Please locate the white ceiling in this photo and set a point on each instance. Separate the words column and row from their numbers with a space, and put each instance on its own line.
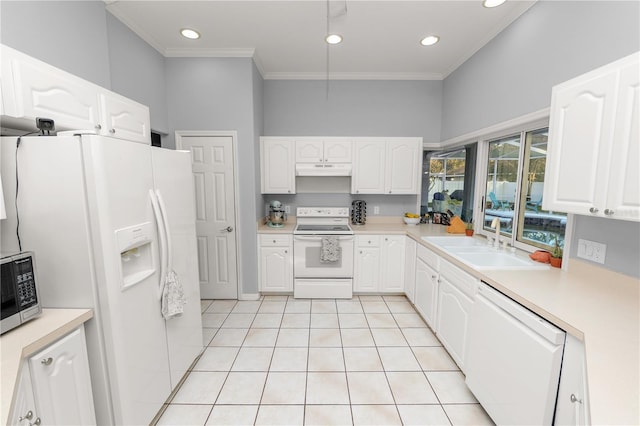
column 286, row 38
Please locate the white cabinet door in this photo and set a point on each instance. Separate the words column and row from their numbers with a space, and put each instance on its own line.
column 366, row 271
column 410, row 269
column 338, row 151
column 61, row 382
column 24, row 411
column 123, row 118
column 623, row 193
column 278, row 166
column 454, row 308
column 392, row 277
column 403, row 166
column 309, row 151
column 276, row 269
column 572, row 407
column 426, row 298
column 368, row 175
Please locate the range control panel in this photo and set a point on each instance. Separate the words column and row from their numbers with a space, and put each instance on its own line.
column 322, row 212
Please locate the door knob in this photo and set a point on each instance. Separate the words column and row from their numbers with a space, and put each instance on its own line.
column 227, row 229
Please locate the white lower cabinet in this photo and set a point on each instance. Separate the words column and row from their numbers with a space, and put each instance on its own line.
column 456, row 292
column 379, row 264
column 426, row 298
column 410, row 269
column 572, row 407
column 55, row 385
column 276, row 263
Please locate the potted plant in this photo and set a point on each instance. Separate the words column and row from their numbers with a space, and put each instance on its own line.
column 556, row 256
column 469, row 229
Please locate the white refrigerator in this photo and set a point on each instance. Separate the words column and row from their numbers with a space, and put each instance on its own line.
column 86, row 208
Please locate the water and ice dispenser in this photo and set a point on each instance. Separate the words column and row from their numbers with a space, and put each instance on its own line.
column 136, row 255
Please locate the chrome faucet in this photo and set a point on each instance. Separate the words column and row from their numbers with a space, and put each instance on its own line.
column 495, row 223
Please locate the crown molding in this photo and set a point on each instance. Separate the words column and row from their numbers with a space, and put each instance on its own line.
column 350, row 76
column 180, row 52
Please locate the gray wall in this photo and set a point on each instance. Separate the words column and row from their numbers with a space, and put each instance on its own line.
column 258, row 130
column 218, row 94
column 137, row 71
column 70, row 35
column 513, row 75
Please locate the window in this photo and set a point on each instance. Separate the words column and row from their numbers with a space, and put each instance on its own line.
column 513, row 191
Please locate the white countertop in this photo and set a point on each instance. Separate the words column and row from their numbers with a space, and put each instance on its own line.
column 24, row 341
column 599, row 307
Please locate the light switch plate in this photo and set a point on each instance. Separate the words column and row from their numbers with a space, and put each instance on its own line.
column 591, row 250
column 376, row 210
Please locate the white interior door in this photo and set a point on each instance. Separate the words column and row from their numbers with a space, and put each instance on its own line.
column 213, row 173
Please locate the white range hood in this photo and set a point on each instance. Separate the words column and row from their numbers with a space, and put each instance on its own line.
column 312, row 169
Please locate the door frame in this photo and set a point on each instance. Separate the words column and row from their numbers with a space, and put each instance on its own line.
column 233, row 134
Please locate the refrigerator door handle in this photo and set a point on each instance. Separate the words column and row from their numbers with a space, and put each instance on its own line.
column 165, row 220
column 163, row 243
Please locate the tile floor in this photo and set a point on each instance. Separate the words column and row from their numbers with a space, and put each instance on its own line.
column 283, row 361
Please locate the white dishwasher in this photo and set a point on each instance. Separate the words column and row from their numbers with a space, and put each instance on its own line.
column 513, row 360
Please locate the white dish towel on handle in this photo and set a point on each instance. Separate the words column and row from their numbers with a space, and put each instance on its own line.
column 330, row 250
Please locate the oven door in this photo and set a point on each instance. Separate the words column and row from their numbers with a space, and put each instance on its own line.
column 307, row 262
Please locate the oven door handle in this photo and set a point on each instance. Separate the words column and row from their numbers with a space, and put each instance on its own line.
column 318, row 237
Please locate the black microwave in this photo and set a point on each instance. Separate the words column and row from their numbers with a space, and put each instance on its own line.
column 20, row 302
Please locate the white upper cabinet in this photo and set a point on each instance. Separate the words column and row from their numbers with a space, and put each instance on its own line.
column 323, row 150
column 278, row 166
column 32, row 88
column 387, row 166
column 594, row 140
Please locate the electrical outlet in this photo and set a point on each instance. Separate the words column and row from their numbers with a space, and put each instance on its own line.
column 287, row 209
column 376, row 209
column 591, row 250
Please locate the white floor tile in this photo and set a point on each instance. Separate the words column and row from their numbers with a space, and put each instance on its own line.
column 370, row 298
column 321, row 415
column 450, row 388
column 420, row 415
column 280, row 415
column 409, row 320
column 325, row 337
column 381, row 321
column 267, row 321
column 285, row 388
column 296, row 321
column 434, row 358
column 349, row 306
column 253, row 359
column 400, row 307
column 409, row 387
column 275, row 297
column 327, row 388
column 398, row 359
column 323, row 306
column 326, row 359
column 356, row 337
column 467, row 414
column 265, row 337
column 324, row 320
column 217, row 359
column 369, row 388
column 298, row 306
column 395, row 298
column 177, row 414
column 229, row 337
column 204, row 304
column 289, row 359
column 362, row 359
column 420, row 337
column 388, row 337
column 238, row 321
column 207, row 335
column 375, row 307
column 213, row 320
column 272, row 307
column 200, row 388
column 246, row 307
column 353, row 321
column 377, row 415
column 240, row 415
column 242, row 388
column 293, row 337
column 222, row 306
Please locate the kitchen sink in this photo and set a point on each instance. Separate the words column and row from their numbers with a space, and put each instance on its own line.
column 451, row 241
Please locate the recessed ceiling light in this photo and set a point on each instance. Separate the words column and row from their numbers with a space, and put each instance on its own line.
column 429, row 40
column 492, row 3
column 333, row 39
column 189, row 33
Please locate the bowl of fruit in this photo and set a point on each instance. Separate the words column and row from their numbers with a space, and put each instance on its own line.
column 411, row 218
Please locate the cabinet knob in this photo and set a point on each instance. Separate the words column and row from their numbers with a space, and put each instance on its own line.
column 286, row 251
column 321, row 160
column 389, row 192
column 274, row 241
column 289, row 191
column 386, row 239
column 360, row 251
column 575, row 399
column 47, row 361
column 593, row 210
column 27, row 416
column 608, row 212
column 112, row 131
column 36, row 422
column 98, row 127
column 433, row 277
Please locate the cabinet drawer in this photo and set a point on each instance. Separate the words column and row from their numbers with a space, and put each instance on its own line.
column 428, row 257
column 368, row 240
column 464, row 282
column 273, row 240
